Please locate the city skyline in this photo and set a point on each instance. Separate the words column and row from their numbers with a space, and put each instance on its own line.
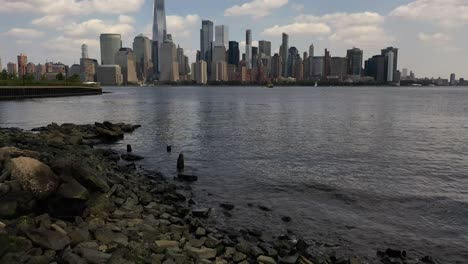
column 406, row 24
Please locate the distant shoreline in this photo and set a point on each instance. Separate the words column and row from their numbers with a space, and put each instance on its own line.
column 28, row 92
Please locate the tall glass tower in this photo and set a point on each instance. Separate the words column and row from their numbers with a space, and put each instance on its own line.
column 159, row 33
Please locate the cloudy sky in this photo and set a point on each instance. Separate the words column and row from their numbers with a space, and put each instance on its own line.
column 431, row 34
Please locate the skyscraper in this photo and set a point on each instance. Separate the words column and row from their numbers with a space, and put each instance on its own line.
column 248, row 48
column 22, row 64
column 354, row 61
column 221, row 36
column 169, row 64
column 12, row 69
column 206, row 40
column 284, row 54
column 110, row 45
column 293, row 53
column 84, row 51
column 311, row 50
column 125, row 58
column 159, row 34
column 394, row 64
column 264, row 48
column 142, row 49
column 326, row 64
column 1, row 64
column 233, row 53
column 389, row 65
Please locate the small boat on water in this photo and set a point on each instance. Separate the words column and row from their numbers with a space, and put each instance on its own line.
column 270, row 85
column 316, row 84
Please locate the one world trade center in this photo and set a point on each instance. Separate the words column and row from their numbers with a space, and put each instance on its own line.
column 159, row 34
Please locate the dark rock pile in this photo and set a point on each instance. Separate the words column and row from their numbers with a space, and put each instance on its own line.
column 61, row 201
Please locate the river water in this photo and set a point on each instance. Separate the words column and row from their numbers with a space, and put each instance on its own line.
column 359, row 169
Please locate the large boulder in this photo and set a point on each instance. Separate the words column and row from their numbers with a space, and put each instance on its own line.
column 34, row 176
column 48, row 239
column 89, row 177
column 69, row 200
column 12, row 152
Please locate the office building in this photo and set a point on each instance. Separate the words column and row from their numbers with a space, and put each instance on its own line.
column 143, row 57
column 22, row 64
column 311, row 50
column 264, row 48
column 221, row 73
column 125, row 58
column 221, row 36
column 200, row 72
column 233, row 53
column 110, row 45
column 109, row 75
column 276, row 66
column 355, row 59
column 159, row 35
column 255, row 57
column 88, row 70
column 317, row 66
column 453, row 80
column 375, row 67
column 293, row 53
column 30, row 69
column 75, row 69
column 84, row 51
column 338, row 68
column 326, row 65
column 40, row 71
column 389, row 63
column 390, row 72
column 206, row 40
column 285, row 54
column 169, row 64
column 248, row 49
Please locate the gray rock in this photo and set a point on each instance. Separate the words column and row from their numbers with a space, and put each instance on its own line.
column 243, row 247
column 71, row 258
column 265, row 260
column 34, row 176
column 8, row 208
column 48, row 239
column 78, row 235
column 161, row 245
column 201, row 213
column 200, row 232
column 201, row 253
column 107, row 236
column 7, row 153
column 238, row 257
column 89, row 177
column 72, row 189
column 94, row 256
column 131, row 157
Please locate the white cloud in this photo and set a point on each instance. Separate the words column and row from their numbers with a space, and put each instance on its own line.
column 94, row 27
column 358, row 29
column 444, row 13
column 298, row 29
column 256, row 8
column 71, row 7
column 436, row 38
column 182, row 26
column 50, row 21
column 24, row 33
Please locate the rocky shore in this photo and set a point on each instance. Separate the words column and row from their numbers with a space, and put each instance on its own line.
column 64, row 201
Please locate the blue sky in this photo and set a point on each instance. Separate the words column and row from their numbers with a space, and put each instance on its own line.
column 431, row 34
